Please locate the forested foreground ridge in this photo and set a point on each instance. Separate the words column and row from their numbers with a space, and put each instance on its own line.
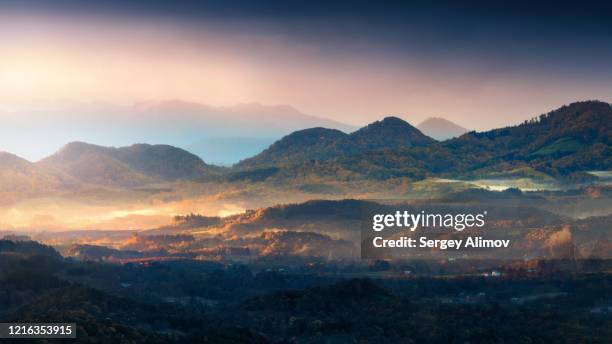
column 208, row 302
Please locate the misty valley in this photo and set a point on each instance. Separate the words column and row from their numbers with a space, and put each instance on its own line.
column 151, row 244
column 305, row 172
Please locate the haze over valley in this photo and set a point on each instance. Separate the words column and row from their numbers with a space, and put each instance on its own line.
column 140, row 186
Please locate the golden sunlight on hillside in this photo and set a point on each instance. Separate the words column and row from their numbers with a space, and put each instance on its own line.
column 54, row 214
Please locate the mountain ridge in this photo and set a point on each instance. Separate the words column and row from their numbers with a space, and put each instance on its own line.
column 129, row 166
column 564, row 143
column 324, row 144
column 586, row 125
column 573, row 138
column 175, row 122
column 269, row 117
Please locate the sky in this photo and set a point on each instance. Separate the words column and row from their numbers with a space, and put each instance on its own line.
column 480, row 64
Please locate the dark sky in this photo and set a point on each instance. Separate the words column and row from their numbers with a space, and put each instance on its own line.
column 480, row 63
column 477, row 26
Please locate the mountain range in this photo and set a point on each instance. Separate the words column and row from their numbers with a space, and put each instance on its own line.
column 173, row 122
column 564, row 143
column 323, row 144
column 572, row 139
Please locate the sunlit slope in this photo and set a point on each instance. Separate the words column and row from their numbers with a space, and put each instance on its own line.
column 20, row 178
column 136, row 165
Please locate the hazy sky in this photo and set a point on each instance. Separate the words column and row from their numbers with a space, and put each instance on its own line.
column 480, row 65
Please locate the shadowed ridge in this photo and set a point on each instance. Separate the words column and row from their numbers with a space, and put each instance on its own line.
column 312, row 143
column 390, row 133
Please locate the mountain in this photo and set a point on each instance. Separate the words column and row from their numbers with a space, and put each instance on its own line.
column 324, row 144
column 14, row 169
column 20, row 177
column 163, row 161
column 227, row 135
column 441, row 129
column 241, row 120
column 390, row 133
column 313, row 143
column 564, row 143
column 94, row 165
column 131, row 166
column 575, row 137
column 174, row 122
column 80, row 165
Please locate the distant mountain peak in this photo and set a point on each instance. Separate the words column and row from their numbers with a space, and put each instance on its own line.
column 441, row 129
column 258, row 107
column 169, row 105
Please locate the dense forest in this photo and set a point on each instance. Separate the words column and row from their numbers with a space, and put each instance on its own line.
column 208, row 302
column 563, row 144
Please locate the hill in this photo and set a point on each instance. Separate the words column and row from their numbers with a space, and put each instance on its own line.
column 313, row 143
column 441, row 129
column 26, row 249
column 389, row 133
column 93, row 164
column 324, row 144
column 19, row 177
column 131, row 166
column 573, row 138
column 163, row 161
column 564, row 144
